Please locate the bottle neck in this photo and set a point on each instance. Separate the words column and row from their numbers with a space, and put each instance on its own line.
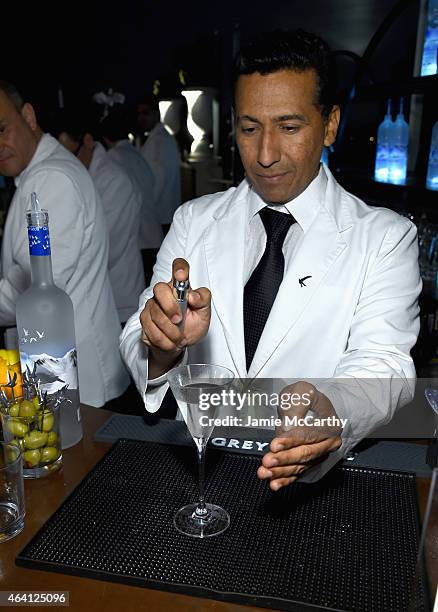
column 41, row 270
column 40, row 253
column 388, row 111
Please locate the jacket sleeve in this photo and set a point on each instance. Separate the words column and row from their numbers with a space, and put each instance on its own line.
column 376, row 374
column 133, row 350
column 57, row 194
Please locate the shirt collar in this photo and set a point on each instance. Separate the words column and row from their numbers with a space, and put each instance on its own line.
column 304, row 207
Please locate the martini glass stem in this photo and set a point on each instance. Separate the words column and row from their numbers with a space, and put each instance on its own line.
column 201, row 511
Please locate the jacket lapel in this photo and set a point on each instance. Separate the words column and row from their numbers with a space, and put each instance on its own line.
column 224, row 243
column 319, row 250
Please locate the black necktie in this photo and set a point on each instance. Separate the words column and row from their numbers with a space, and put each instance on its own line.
column 263, row 284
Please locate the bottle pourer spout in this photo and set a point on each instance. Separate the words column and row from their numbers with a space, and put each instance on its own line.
column 36, row 216
column 34, row 203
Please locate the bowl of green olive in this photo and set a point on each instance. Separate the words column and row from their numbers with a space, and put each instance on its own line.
column 33, row 426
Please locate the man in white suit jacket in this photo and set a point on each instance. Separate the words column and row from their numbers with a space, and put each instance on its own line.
column 79, row 244
column 114, row 129
column 162, row 155
column 121, row 203
column 346, row 310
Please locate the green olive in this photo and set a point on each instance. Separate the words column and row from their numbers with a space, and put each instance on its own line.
column 52, row 439
column 27, row 409
column 49, row 454
column 31, row 458
column 17, row 428
column 36, row 402
column 35, row 439
column 19, row 442
column 14, row 410
column 12, row 453
column 45, row 421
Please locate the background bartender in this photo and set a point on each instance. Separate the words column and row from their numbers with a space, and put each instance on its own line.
column 308, row 281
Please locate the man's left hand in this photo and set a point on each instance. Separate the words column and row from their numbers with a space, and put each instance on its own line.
column 296, row 448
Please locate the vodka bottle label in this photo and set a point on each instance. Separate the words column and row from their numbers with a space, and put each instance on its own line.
column 54, row 371
column 39, row 240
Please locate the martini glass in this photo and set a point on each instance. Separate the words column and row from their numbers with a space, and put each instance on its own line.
column 194, row 386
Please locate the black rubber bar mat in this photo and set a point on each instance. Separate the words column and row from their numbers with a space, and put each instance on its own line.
column 379, row 454
column 348, row 542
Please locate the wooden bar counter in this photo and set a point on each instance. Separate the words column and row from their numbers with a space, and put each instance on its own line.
column 45, row 495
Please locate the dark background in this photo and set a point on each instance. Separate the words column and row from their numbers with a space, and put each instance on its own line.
column 86, row 47
column 89, row 46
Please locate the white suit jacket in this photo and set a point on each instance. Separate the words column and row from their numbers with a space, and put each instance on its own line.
column 79, row 242
column 354, row 322
column 161, row 153
column 137, row 168
column 121, row 203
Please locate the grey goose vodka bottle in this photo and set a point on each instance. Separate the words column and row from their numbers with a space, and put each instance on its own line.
column 46, row 330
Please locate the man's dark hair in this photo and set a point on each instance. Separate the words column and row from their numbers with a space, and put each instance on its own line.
column 117, row 124
column 13, row 94
column 151, row 101
column 294, row 50
column 76, row 123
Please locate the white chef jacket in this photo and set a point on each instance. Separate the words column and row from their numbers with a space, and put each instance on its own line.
column 121, row 203
column 79, row 245
column 353, row 322
column 161, row 153
column 137, row 168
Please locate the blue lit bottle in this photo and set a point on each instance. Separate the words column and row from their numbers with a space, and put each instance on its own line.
column 432, row 169
column 45, row 326
column 325, row 156
column 430, row 49
column 383, row 150
column 398, row 162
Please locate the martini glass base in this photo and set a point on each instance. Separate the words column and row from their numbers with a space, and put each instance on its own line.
column 215, row 522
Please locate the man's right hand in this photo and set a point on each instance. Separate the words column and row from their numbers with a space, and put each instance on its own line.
column 161, row 316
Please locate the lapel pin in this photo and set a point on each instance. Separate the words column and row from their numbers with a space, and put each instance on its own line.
column 301, row 281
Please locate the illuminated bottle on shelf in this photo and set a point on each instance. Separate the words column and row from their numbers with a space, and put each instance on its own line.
column 46, row 331
column 430, row 48
column 398, row 158
column 432, row 169
column 383, row 150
